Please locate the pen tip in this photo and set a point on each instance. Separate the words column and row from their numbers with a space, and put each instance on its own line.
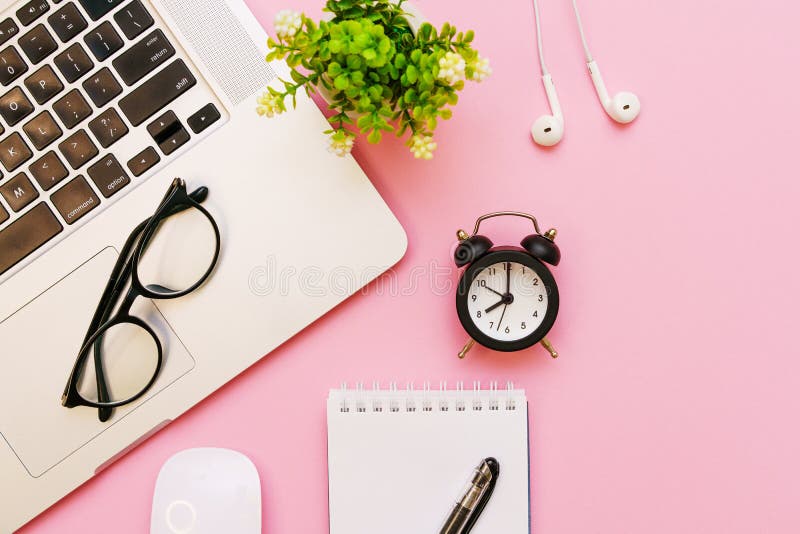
column 494, row 466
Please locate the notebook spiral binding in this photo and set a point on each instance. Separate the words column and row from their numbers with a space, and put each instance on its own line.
column 426, row 399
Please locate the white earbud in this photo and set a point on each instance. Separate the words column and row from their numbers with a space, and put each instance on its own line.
column 548, row 130
column 623, row 107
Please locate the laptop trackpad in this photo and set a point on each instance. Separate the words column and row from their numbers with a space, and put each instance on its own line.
column 35, row 367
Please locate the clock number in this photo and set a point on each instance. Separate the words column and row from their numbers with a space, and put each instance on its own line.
column 536, row 313
column 541, row 298
column 482, row 283
column 507, row 330
column 479, row 314
column 536, row 281
column 474, row 298
column 491, row 324
column 507, row 266
column 492, row 271
column 523, row 325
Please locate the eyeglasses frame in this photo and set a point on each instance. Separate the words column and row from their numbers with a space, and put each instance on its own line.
column 176, row 200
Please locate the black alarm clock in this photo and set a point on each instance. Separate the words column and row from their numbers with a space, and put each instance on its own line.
column 507, row 298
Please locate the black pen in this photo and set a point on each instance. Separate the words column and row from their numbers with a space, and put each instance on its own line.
column 470, row 505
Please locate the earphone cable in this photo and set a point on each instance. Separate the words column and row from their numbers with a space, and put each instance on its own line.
column 539, row 37
column 580, row 30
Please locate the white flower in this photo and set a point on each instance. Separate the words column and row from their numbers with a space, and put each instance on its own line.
column 269, row 105
column 481, row 69
column 341, row 144
column 423, row 146
column 451, row 68
column 287, row 23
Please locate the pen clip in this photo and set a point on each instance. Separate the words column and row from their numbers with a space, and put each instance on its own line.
column 494, row 467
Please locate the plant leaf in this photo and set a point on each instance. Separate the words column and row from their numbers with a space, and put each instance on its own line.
column 341, row 82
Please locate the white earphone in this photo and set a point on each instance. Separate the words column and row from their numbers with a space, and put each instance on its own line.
column 548, row 130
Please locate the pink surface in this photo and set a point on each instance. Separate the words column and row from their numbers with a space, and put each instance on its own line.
column 674, row 405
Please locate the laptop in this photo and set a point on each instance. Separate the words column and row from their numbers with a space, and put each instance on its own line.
column 103, row 104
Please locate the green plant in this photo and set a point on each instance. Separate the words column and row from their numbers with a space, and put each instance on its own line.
column 378, row 74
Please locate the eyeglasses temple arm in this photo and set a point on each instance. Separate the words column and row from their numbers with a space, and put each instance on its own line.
column 104, row 307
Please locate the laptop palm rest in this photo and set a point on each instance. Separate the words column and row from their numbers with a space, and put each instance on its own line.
column 35, row 369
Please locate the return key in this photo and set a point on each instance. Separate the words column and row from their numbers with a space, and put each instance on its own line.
column 144, row 57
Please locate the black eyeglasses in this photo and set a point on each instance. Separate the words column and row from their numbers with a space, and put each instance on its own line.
column 167, row 256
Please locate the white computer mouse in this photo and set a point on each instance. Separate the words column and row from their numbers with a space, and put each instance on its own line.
column 207, row 491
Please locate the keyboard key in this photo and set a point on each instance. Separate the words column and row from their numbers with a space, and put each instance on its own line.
column 3, row 215
column 157, row 92
column 163, row 126
column 133, row 19
column 102, row 87
column 168, row 132
column 143, row 161
column 15, row 106
column 73, row 62
column 14, row 152
column 103, row 41
column 12, row 66
column 72, row 108
column 205, row 117
column 144, row 57
column 48, row 170
column 32, row 11
column 19, row 192
column 26, row 234
column 174, row 142
column 67, row 22
column 8, row 29
column 42, row 130
column 98, row 8
column 108, row 127
column 77, row 149
column 75, row 199
column 44, row 84
column 37, row 44
column 108, row 175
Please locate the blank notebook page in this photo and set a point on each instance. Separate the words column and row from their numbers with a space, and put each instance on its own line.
column 399, row 460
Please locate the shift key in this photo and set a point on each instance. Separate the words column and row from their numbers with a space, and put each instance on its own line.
column 144, row 57
column 155, row 93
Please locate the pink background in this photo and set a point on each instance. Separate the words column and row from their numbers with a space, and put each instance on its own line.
column 674, row 405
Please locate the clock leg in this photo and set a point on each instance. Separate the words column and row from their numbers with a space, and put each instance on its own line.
column 549, row 347
column 466, row 348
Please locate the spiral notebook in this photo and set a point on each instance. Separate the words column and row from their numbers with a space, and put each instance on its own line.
column 399, row 459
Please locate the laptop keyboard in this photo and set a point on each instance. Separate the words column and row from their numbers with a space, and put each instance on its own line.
column 78, row 77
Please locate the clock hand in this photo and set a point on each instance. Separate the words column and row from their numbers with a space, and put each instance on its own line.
column 493, row 291
column 501, row 317
column 508, row 278
column 497, row 305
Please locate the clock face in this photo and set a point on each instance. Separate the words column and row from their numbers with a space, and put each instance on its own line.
column 507, row 300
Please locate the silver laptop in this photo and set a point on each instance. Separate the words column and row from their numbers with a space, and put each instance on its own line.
column 103, row 103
